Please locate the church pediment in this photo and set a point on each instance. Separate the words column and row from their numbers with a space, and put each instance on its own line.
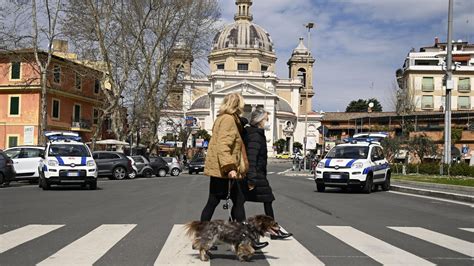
column 246, row 88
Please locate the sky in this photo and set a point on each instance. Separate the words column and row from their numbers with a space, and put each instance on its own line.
column 358, row 44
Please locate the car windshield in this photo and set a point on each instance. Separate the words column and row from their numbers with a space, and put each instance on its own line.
column 68, row 150
column 198, row 160
column 348, row 152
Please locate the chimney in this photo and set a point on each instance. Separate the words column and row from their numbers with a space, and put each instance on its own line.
column 436, row 40
column 60, row 46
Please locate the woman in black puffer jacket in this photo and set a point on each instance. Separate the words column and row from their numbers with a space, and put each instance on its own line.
column 259, row 189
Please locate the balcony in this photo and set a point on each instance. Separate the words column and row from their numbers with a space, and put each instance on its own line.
column 81, row 125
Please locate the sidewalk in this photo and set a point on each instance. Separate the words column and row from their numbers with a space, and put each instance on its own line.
column 459, row 193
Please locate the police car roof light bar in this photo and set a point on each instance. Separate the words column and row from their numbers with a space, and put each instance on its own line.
column 62, row 135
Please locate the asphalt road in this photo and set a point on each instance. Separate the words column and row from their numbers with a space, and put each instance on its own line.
column 133, row 222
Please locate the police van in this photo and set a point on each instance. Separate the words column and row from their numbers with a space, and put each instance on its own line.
column 67, row 161
column 358, row 163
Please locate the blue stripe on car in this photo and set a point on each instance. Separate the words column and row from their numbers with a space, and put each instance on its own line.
column 83, row 160
column 328, row 163
column 349, row 164
column 45, row 168
column 60, row 160
column 366, row 170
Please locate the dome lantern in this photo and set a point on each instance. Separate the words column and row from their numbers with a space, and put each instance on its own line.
column 243, row 10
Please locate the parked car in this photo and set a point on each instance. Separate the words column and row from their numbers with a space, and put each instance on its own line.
column 284, row 155
column 113, row 164
column 7, row 171
column 160, row 167
column 26, row 160
column 196, row 165
column 141, row 167
column 174, row 164
column 67, row 161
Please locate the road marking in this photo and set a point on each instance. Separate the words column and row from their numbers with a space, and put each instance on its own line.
column 468, row 229
column 270, row 173
column 288, row 252
column 433, row 198
column 375, row 248
column 24, row 234
column 449, row 242
column 91, row 247
column 310, row 178
column 177, row 249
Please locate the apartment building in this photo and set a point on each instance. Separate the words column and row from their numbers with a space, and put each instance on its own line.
column 73, row 98
column 421, row 78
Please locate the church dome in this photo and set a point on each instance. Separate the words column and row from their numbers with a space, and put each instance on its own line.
column 243, row 33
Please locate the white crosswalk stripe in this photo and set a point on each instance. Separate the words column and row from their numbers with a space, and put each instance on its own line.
column 289, row 252
column 468, row 229
column 377, row 249
column 178, row 250
column 91, row 247
column 24, row 234
column 449, row 242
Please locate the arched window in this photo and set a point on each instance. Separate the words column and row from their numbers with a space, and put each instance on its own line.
column 302, row 75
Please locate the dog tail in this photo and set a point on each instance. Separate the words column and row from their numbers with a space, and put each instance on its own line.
column 194, row 227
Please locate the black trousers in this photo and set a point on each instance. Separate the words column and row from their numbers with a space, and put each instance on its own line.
column 218, row 189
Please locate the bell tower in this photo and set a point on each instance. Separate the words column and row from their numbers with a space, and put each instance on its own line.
column 301, row 66
column 180, row 68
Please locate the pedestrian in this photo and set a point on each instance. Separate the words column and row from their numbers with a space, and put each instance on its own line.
column 226, row 159
column 259, row 189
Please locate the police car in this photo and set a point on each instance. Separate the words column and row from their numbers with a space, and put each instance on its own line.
column 67, row 161
column 358, row 163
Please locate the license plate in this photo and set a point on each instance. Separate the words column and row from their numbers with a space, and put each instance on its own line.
column 336, row 176
column 196, row 168
column 73, row 174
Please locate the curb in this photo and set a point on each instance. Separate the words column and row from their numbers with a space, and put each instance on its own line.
column 433, row 193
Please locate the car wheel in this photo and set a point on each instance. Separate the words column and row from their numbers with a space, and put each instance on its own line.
column 148, row 173
column 175, row 172
column 386, row 184
column 191, row 172
column 320, row 187
column 367, row 188
column 119, row 173
column 93, row 185
column 132, row 175
column 161, row 172
column 2, row 179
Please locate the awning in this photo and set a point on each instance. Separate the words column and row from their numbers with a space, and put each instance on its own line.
column 461, row 58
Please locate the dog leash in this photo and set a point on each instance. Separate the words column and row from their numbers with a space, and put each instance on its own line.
column 227, row 200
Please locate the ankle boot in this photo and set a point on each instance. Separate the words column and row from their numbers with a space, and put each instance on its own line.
column 280, row 235
column 259, row 245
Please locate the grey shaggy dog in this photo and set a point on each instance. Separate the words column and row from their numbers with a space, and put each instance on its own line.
column 239, row 236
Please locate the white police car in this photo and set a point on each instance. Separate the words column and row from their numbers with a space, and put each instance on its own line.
column 355, row 164
column 67, row 161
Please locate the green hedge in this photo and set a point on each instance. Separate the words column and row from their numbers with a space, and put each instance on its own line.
column 459, row 169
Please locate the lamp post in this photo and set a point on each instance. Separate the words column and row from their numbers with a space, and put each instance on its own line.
column 309, row 26
column 449, row 87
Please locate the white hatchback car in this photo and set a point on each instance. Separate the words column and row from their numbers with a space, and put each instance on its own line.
column 355, row 164
column 67, row 161
column 26, row 160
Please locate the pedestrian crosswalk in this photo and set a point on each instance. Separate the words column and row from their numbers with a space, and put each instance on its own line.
column 177, row 250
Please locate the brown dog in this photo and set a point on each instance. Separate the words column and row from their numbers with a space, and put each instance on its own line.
column 239, row 236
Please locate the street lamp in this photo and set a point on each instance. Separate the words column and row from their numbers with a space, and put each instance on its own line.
column 449, row 87
column 309, row 26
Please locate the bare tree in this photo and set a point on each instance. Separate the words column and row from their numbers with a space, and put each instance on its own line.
column 135, row 40
column 42, row 20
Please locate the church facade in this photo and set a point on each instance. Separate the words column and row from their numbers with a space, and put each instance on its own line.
column 243, row 60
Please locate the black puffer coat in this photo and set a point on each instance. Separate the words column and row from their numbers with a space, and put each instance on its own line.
column 256, row 144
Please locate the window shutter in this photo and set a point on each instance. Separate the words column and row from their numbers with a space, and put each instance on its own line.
column 427, row 84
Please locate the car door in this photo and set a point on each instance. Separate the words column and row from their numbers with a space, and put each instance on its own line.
column 18, row 163
column 139, row 163
column 31, row 159
column 100, row 161
column 378, row 160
